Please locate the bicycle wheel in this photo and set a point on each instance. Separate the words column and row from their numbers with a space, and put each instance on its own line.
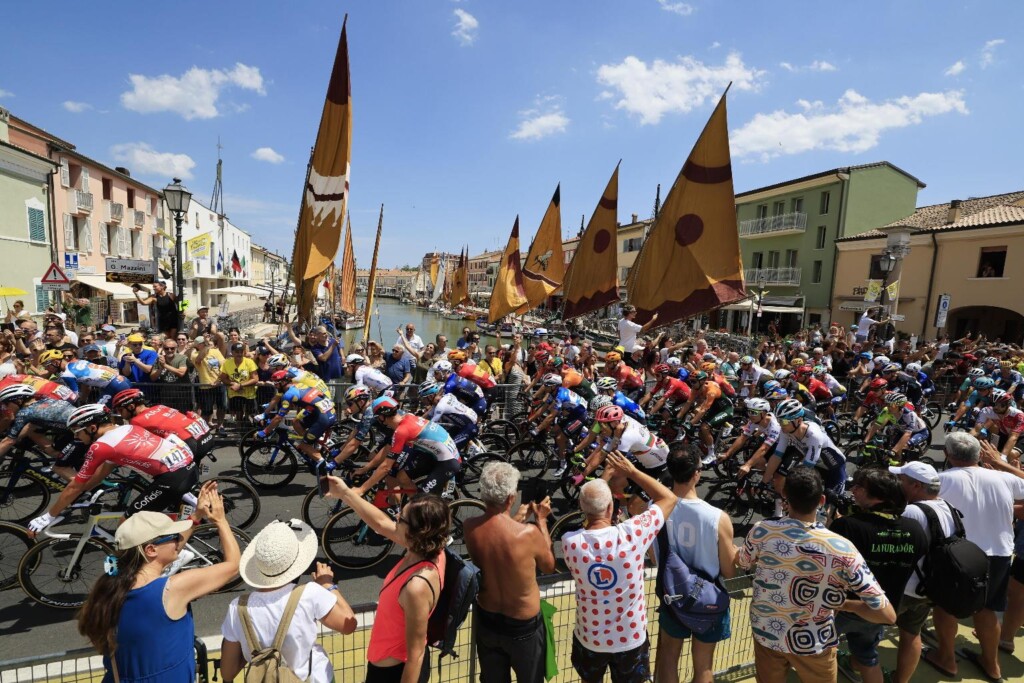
column 565, row 525
column 931, row 412
column 21, row 497
column 48, row 575
column 250, row 440
column 206, row 548
column 241, row 502
column 506, row 429
column 462, row 510
column 269, row 466
column 468, row 478
column 317, row 510
column 351, row 544
column 531, row 454
column 495, row 442
column 14, row 543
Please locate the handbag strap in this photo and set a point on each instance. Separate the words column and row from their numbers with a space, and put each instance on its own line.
column 282, row 628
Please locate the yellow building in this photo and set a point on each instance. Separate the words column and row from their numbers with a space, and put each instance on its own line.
column 961, row 249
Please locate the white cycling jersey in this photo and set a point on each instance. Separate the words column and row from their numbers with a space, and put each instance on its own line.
column 450, row 405
column 816, row 447
column 770, row 428
column 638, row 442
column 372, row 378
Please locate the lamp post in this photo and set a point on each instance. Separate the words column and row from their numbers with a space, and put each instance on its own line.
column 886, row 264
column 273, row 272
column 178, row 198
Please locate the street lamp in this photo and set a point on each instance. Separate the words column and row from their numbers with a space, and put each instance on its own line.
column 886, row 264
column 178, row 198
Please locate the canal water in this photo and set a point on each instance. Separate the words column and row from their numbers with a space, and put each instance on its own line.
column 428, row 324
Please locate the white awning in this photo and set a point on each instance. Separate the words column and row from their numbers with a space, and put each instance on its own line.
column 764, row 309
column 241, row 290
column 119, row 291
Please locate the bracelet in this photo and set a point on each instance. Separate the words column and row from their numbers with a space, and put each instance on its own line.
column 333, row 587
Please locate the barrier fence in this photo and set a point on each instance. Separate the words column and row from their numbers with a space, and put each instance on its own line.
column 348, row 652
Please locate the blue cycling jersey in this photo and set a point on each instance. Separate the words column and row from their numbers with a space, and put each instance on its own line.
column 307, row 399
column 628, row 405
column 42, row 412
column 462, row 388
column 976, row 399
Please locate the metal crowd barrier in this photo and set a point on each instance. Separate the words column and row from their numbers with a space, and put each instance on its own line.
column 733, row 657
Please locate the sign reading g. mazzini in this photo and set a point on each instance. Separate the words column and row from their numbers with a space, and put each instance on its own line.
column 131, row 271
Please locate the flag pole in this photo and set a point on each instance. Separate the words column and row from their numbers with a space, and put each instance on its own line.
column 295, row 246
column 372, row 282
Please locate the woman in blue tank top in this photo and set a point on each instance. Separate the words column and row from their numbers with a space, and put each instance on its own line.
column 139, row 619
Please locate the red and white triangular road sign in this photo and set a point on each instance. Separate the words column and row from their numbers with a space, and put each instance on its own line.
column 55, row 276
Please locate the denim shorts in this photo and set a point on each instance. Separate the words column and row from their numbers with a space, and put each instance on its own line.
column 671, row 627
column 862, row 637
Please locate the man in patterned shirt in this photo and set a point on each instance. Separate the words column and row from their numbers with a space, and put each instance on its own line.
column 803, row 573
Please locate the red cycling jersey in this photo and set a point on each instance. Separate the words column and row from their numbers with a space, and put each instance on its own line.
column 673, row 389
column 627, row 377
column 874, row 398
column 818, row 389
column 134, row 447
column 44, row 387
column 477, row 375
column 164, row 421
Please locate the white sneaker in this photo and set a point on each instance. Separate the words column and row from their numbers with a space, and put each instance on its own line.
column 708, row 459
column 559, row 471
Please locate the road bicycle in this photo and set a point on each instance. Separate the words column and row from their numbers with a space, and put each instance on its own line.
column 14, row 543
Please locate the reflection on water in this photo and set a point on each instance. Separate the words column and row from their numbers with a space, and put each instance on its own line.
column 394, row 315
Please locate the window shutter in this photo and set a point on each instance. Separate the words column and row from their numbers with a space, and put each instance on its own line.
column 36, row 225
column 87, row 242
column 124, row 244
column 85, row 179
column 65, row 180
column 69, row 233
column 42, row 299
column 104, row 239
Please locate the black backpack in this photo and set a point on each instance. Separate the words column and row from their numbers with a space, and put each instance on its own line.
column 461, row 585
column 955, row 570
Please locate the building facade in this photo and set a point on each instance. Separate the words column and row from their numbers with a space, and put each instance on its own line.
column 963, row 249
column 269, row 269
column 788, row 233
column 26, row 221
column 217, row 255
column 483, row 271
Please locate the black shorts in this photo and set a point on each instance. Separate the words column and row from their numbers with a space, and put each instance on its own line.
column 210, row 399
column 200, row 447
column 631, row 666
column 241, row 404
column 72, row 451
column 1017, row 569
column 432, row 474
column 165, row 491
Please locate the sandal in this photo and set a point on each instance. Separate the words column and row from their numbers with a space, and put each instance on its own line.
column 974, row 657
column 925, row 651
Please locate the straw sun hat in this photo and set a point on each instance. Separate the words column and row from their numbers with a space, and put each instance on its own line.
column 279, row 554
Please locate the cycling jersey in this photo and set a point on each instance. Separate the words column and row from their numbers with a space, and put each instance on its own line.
column 769, row 429
column 134, row 447
column 83, row 373
column 976, row 399
column 567, row 399
column 572, row 379
column 907, row 420
column 164, row 421
column 43, row 412
column 833, row 384
column 727, row 388
column 475, row 374
column 375, row 380
column 802, row 394
column 304, row 398
column 44, row 387
column 754, row 377
column 1010, row 422
column 362, row 432
column 423, row 435
column 305, row 378
column 629, row 406
column 638, row 442
column 815, row 446
column 627, row 377
column 819, row 390
column 449, row 405
column 874, row 398
column 466, row 391
column 672, row 390
column 708, row 396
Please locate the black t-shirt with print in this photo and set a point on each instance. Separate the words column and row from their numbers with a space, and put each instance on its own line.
column 890, row 544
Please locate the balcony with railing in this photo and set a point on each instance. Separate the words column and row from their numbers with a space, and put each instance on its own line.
column 115, row 212
column 768, row 277
column 774, row 226
column 140, row 218
column 81, row 201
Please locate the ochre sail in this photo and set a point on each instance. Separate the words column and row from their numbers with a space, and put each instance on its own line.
column 348, row 274
column 508, row 295
column 434, row 264
column 691, row 260
column 592, row 279
column 544, row 267
column 372, row 281
column 326, row 191
column 460, row 281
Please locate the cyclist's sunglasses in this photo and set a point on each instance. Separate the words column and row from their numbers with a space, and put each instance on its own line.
column 755, row 413
column 165, row 539
column 353, row 401
column 787, row 422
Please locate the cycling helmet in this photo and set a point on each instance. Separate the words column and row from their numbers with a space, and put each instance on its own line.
column 1000, row 397
column 790, row 409
column 16, row 392
column 557, row 362
column 975, row 373
column 90, row 414
column 770, row 384
column 683, row 374
column 278, row 361
column 819, row 371
column 895, row 398
column 991, row 361
column 541, row 357
column 674, row 361
column 127, row 398
column 607, row 384
column 358, row 391
column 699, row 376
column 891, row 367
column 552, row 379
column 611, row 413
column 280, row 376
column 970, row 357
column 747, row 360
column 428, row 388
column 776, row 394
column 797, row 363
column 782, row 375
column 457, row 356
column 612, row 356
column 866, row 355
column 662, row 369
column 385, row 406
column 881, row 360
column 878, row 384
column 441, row 366
column 709, row 367
column 293, row 373
column 913, row 367
column 757, row 405
column 599, row 402
column 984, row 383
column 51, row 356
column 802, row 371
column 354, row 359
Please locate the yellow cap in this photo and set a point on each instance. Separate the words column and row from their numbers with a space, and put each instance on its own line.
column 136, row 338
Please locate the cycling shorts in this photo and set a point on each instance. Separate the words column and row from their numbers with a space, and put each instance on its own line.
column 316, row 425
column 572, row 427
column 164, row 493
column 433, row 475
column 718, row 414
column 200, row 447
column 918, row 438
column 459, row 427
column 72, row 452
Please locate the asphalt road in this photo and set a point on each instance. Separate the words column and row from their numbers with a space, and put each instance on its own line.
column 32, row 630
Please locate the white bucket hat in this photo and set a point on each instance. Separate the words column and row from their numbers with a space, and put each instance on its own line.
column 279, row 554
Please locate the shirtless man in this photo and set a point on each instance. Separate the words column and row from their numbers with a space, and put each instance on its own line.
column 510, row 630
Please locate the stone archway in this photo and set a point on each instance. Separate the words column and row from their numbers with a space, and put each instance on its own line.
column 992, row 321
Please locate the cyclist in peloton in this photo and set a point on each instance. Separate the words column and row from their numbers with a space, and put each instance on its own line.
column 903, row 382
column 752, row 377
column 1002, row 423
column 357, row 408
column 761, row 426
column 419, row 448
column 32, row 417
column 711, row 411
column 671, row 390
column 370, row 377
column 573, row 379
column 167, row 460
column 898, row 411
column 629, row 381
column 468, row 370
column 874, row 399
column 315, row 414
column 568, row 411
column 131, row 405
column 804, row 444
column 82, row 373
column 43, row 388
column 980, row 398
column 463, row 389
column 459, row 420
column 609, row 386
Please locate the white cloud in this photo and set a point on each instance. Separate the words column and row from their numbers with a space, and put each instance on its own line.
column 140, row 157
column 193, row 95
column 854, row 125
column 76, row 107
column 715, row 45
column 6, row 93
column 651, row 91
column 988, row 53
column 466, row 26
column 816, row 65
column 955, row 70
column 544, row 119
column 267, row 154
column 680, row 8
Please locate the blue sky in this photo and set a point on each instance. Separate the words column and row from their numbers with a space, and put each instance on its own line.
column 468, row 113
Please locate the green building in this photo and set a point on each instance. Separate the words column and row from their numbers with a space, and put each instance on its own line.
column 788, row 233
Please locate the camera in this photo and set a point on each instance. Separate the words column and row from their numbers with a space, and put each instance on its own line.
column 844, row 502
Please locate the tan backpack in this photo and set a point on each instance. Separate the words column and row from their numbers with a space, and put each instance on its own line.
column 267, row 665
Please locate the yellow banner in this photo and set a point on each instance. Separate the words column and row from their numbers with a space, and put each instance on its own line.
column 199, row 246
column 893, row 291
column 188, row 269
column 873, row 292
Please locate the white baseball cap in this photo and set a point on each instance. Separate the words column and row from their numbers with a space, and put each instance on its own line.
column 918, row 471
